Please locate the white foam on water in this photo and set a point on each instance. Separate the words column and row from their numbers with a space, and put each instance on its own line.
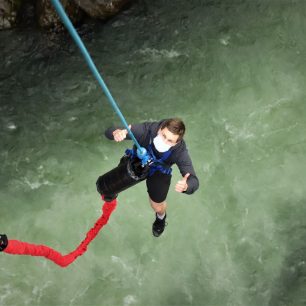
column 118, row 260
column 237, row 133
column 5, row 292
column 269, row 107
column 132, row 272
column 71, row 119
column 129, row 300
column 90, row 86
column 163, row 53
column 285, row 129
column 225, row 40
column 78, row 295
column 11, row 126
column 38, row 291
column 188, row 294
column 37, row 184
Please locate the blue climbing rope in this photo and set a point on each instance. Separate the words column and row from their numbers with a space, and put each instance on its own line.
column 141, row 152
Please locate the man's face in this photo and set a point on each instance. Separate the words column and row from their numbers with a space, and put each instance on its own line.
column 168, row 137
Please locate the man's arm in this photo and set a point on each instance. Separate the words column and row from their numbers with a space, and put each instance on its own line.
column 185, row 166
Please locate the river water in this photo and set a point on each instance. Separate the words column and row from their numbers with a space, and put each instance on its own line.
column 235, row 72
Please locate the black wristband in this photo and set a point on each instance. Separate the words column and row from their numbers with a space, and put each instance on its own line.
column 3, row 242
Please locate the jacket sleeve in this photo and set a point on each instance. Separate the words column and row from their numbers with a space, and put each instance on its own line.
column 185, row 166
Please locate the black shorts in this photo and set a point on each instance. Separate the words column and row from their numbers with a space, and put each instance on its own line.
column 158, row 186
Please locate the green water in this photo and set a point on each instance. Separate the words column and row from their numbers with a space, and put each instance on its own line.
column 235, row 72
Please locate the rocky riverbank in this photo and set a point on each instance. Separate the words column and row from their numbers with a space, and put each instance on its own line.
column 41, row 12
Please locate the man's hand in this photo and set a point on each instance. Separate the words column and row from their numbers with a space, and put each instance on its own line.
column 181, row 185
column 120, row 135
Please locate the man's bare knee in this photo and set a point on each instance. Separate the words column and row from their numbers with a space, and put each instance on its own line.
column 158, row 207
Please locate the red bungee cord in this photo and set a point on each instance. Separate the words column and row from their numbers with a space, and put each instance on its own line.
column 16, row 247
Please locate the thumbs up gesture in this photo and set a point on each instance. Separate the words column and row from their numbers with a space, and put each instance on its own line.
column 182, row 185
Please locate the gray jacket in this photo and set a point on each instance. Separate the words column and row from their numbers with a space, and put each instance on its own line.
column 145, row 132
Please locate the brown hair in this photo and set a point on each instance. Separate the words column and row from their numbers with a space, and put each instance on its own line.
column 175, row 126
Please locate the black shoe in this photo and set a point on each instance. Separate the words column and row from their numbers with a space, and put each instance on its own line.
column 158, row 226
column 3, row 242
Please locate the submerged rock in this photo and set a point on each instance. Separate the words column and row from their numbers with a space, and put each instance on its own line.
column 8, row 13
column 102, row 9
column 47, row 16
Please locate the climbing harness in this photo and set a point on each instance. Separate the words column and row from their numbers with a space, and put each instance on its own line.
column 158, row 163
column 155, row 164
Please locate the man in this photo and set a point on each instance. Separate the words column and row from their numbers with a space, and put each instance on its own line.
column 164, row 140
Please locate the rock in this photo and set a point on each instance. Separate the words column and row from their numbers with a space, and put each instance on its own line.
column 48, row 18
column 8, row 13
column 12, row 10
column 102, row 9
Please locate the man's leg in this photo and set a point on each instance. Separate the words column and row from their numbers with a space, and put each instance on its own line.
column 159, row 208
column 158, row 185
